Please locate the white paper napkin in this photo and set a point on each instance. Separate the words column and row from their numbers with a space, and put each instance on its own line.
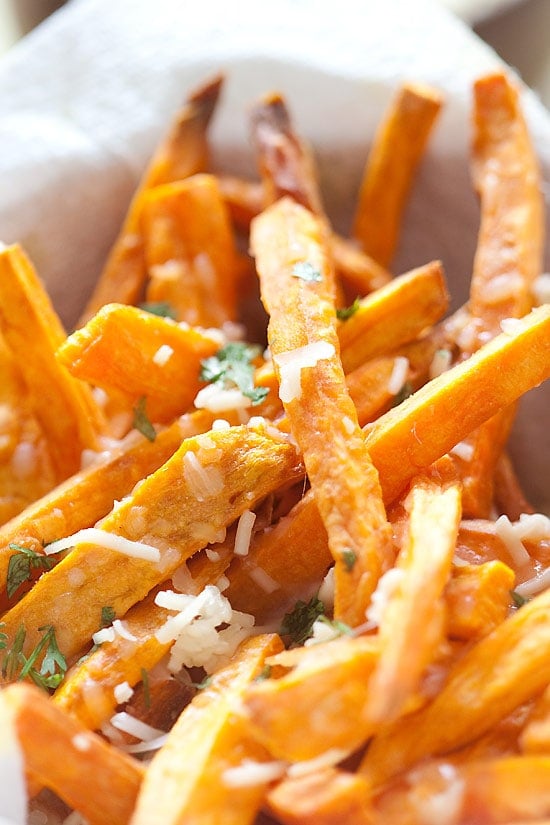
column 85, row 97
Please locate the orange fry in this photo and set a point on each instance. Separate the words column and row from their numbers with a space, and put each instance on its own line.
column 285, row 240
column 326, row 797
column 478, row 599
column 64, row 406
column 99, row 781
column 119, row 349
column 189, row 780
column 389, row 173
column 181, row 153
column 190, row 251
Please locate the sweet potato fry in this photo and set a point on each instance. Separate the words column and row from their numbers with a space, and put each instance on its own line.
column 181, row 153
column 503, row 670
column 535, row 737
column 203, row 487
column 59, row 752
column 325, row 797
column 422, row 428
column 509, row 496
column 359, row 272
column 186, row 781
column 117, row 349
column 86, row 497
column 478, row 599
column 394, row 315
column 391, row 166
column 190, row 251
column 64, row 406
column 330, row 677
column 411, row 624
column 285, row 239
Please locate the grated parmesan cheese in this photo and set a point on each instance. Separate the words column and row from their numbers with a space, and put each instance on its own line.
column 250, row 773
column 217, row 399
column 204, row 482
column 534, row 526
column 292, row 362
column 212, row 555
column 330, row 757
column 463, row 450
column 398, row 375
column 121, row 630
column 244, row 533
column 134, row 727
column 123, row 693
column 386, row 587
column 146, row 747
column 106, row 634
column 220, row 424
column 163, row 355
column 504, row 529
column 93, row 535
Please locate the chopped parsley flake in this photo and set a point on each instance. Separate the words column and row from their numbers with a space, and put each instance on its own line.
column 306, row 272
column 298, row 623
column 141, row 420
column 146, row 688
column 349, row 558
column 404, row 392
column 346, row 312
column 22, row 563
column 52, row 668
column 107, row 616
column 3, row 637
column 518, row 599
column 162, row 308
column 265, row 673
column 232, row 367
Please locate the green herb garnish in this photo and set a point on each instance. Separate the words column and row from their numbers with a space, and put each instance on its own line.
column 232, row 367
column 161, row 308
column 3, row 637
column 52, row 669
column 265, row 673
column 298, row 623
column 346, row 312
column 518, row 599
column 306, row 272
column 404, row 392
column 146, row 688
column 107, row 616
column 349, row 558
column 141, row 420
column 21, row 565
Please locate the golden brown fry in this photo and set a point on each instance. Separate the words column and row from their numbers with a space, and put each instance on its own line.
column 411, row 624
column 329, row 677
column 87, row 773
column 359, row 272
column 202, row 488
column 394, row 315
column 90, row 494
column 313, row 391
column 325, row 797
column 503, row 670
column 64, row 406
column 391, row 167
column 535, row 737
column 190, row 251
column 181, row 153
column 186, row 781
column 117, row 349
column 478, row 599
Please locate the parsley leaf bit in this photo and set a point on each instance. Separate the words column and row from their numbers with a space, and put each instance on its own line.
column 346, row 312
column 22, row 563
column 107, row 616
column 141, row 420
column 52, row 669
column 146, row 688
column 404, row 392
column 349, row 558
column 297, row 624
column 306, row 272
column 161, row 308
column 232, row 367
column 264, row 674
column 3, row 637
column 518, row 599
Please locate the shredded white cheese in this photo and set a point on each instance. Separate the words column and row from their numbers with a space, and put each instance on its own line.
column 326, row 591
column 504, row 529
column 534, row 585
column 203, row 482
column 250, row 773
column 106, row 634
column 146, row 747
column 534, row 526
column 134, row 727
column 121, row 630
column 212, row 555
column 244, row 533
column 463, row 450
column 330, row 757
column 398, row 375
column 163, row 355
column 93, row 535
column 386, row 587
column 217, row 399
column 220, row 424
column 263, row 580
column 123, row 693
column 292, row 362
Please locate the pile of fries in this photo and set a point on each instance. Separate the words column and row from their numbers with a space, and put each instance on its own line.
column 274, row 564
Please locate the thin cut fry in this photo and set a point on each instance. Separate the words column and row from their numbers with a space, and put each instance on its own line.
column 285, row 238
column 117, row 349
column 186, row 781
column 411, row 624
column 183, row 152
column 59, row 752
column 190, row 251
column 478, row 599
column 64, row 406
column 389, row 173
column 202, row 488
column 325, row 797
